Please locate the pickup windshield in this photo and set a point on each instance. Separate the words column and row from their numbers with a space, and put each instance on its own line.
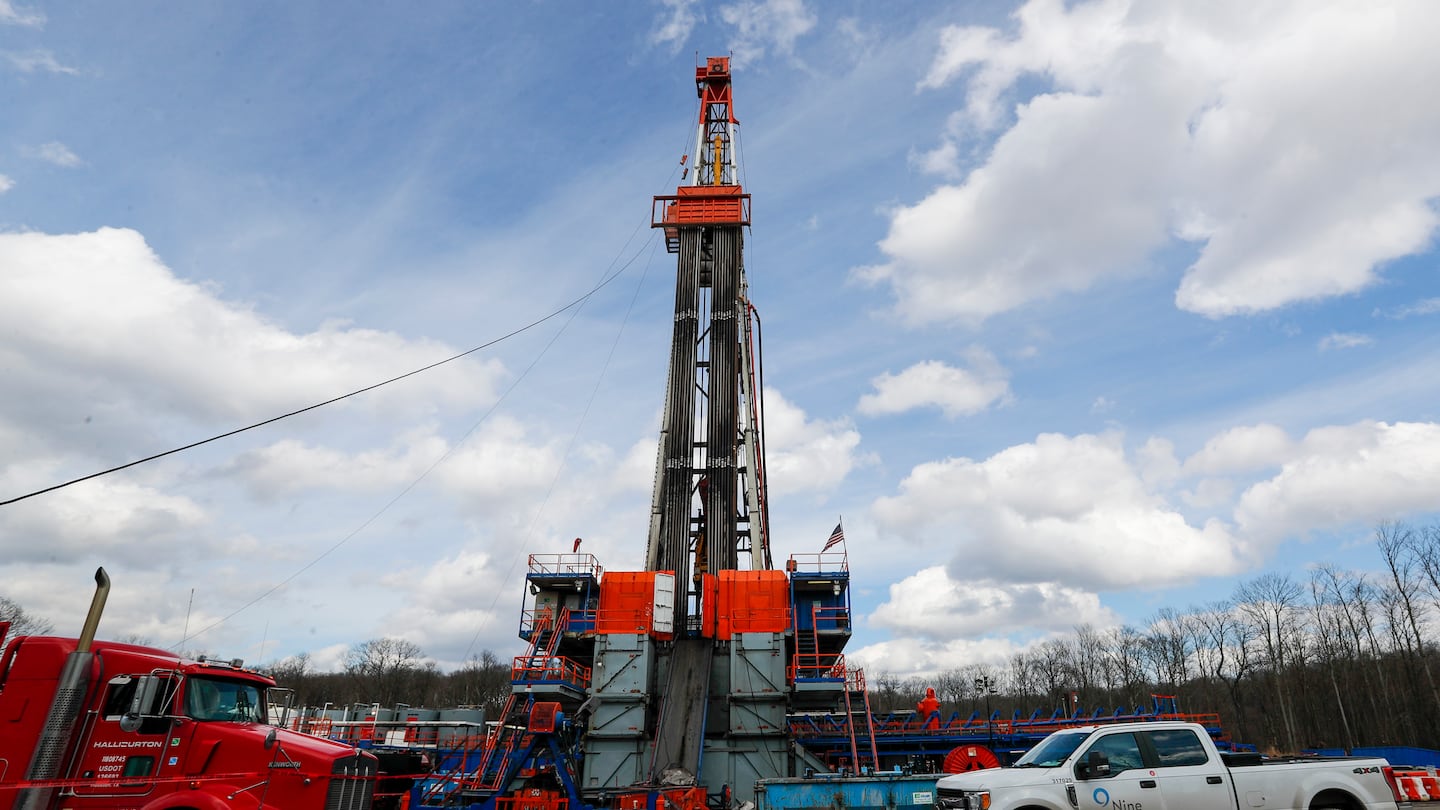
column 220, row 699
column 1052, row 750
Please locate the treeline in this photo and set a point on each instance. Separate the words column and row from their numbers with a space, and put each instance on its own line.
column 1333, row 658
column 391, row 671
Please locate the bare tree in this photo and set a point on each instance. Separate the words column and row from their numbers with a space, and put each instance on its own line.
column 384, row 664
column 1270, row 604
column 1397, row 543
column 1125, row 659
column 1164, row 648
column 1228, row 654
column 23, row 623
column 1331, row 642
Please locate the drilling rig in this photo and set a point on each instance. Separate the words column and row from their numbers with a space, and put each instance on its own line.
column 674, row 683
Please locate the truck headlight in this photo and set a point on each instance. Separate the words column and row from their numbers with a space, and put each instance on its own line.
column 977, row 800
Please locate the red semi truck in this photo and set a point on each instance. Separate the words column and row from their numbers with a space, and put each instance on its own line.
column 92, row 724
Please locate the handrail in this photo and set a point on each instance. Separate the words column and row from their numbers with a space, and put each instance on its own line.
column 566, row 565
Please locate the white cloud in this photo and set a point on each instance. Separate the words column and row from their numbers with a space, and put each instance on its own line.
column 10, row 15
column 54, row 152
column 1218, row 124
column 39, row 60
column 1210, row 493
column 766, row 25
column 955, row 391
column 91, row 315
column 1244, row 449
column 933, row 605
column 1069, row 510
column 943, row 160
column 1425, row 306
column 805, row 455
column 6, row 183
column 452, row 602
column 1364, row 472
column 1344, row 340
column 914, row 657
column 674, row 28
column 117, row 520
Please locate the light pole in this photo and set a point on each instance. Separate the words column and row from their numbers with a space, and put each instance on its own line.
column 985, row 685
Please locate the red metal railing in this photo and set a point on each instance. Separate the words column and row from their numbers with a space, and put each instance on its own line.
column 817, row 666
column 549, row 668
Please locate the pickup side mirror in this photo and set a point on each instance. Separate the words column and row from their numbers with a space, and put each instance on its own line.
column 1095, row 766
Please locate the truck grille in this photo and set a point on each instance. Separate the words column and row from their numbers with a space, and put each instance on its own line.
column 951, row 799
column 352, row 783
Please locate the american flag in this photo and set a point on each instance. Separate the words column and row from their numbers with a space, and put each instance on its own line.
column 836, row 538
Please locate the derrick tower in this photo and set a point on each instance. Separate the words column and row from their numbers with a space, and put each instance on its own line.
column 708, row 507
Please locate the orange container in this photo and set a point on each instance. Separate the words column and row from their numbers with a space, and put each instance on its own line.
column 752, row 602
column 627, row 602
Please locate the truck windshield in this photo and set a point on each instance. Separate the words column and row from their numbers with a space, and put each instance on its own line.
column 1052, row 750
column 219, row 699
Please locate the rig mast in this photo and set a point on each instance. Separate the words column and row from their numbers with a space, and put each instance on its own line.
column 710, row 456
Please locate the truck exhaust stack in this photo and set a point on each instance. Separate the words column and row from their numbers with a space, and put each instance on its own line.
column 69, row 697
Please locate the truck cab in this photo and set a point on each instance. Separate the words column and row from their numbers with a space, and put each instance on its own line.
column 155, row 730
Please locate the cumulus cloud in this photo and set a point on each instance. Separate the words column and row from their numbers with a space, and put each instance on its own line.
column 1344, row 340
column 94, row 318
column 1215, row 124
column 766, row 26
column 1003, row 518
column 955, row 391
column 673, row 28
column 1338, row 475
column 804, row 454
column 446, row 610
column 54, row 152
column 931, row 604
column 916, row 657
column 1245, row 449
column 6, row 183
column 115, row 520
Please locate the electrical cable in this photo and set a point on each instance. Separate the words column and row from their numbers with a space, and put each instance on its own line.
column 438, row 461
column 606, row 281
column 569, row 445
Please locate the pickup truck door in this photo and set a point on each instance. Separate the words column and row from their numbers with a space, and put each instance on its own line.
column 1129, row 785
column 1190, row 774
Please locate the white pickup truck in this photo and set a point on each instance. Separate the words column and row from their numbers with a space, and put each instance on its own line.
column 1169, row 766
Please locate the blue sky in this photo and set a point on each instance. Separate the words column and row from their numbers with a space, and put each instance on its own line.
column 1073, row 312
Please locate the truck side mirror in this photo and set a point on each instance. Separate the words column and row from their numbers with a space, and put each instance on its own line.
column 130, row 722
column 145, row 688
column 1095, row 766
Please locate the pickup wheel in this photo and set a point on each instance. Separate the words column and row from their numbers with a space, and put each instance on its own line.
column 1335, row 800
